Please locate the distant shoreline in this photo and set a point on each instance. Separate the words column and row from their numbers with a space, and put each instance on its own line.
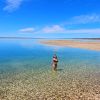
column 19, row 38
column 93, row 45
column 46, row 38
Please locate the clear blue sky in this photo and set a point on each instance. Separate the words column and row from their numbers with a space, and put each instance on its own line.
column 50, row 18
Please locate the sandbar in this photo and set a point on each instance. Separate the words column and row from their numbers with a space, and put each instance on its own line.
column 91, row 45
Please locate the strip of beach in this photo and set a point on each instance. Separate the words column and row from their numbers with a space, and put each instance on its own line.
column 91, row 45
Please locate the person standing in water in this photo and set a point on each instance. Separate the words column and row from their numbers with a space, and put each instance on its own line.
column 54, row 62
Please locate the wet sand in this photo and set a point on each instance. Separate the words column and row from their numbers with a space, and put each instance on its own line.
column 95, row 45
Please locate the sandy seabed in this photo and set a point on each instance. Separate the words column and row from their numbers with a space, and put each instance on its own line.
column 69, row 84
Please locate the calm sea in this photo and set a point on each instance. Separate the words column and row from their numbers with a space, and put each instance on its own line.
column 27, row 60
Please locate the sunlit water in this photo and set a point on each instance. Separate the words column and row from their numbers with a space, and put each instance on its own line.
column 25, row 72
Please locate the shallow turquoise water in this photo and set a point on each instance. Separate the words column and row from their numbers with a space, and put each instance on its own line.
column 30, row 54
column 28, row 60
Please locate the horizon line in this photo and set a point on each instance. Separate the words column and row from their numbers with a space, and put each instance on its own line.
column 13, row 37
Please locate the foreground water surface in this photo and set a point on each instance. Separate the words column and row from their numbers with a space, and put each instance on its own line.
column 25, row 72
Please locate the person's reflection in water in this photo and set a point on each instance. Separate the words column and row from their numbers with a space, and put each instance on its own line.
column 54, row 62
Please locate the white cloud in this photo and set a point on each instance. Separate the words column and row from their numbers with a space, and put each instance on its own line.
column 12, row 5
column 58, row 29
column 83, row 19
column 27, row 30
column 53, row 29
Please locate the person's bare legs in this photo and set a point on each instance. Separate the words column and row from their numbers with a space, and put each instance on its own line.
column 55, row 67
